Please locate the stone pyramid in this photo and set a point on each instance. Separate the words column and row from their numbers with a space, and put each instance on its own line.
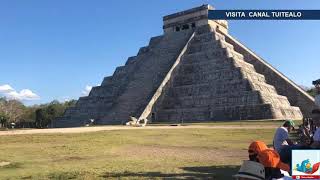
column 194, row 72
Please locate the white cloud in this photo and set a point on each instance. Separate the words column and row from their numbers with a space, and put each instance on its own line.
column 10, row 93
column 87, row 90
column 6, row 88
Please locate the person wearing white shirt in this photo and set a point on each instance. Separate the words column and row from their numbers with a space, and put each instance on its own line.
column 281, row 137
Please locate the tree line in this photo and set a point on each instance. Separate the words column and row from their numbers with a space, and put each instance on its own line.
column 15, row 113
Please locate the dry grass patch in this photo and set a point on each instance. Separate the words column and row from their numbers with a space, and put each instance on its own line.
column 129, row 154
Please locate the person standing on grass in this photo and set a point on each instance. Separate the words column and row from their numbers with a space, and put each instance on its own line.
column 281, row 137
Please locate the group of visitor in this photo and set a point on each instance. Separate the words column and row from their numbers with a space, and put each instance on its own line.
column 275, row 163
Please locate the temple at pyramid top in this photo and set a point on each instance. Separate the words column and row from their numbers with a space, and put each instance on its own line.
column 194, row 72
column 192, row 18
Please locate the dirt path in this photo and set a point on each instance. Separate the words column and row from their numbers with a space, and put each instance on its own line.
column 110, row 128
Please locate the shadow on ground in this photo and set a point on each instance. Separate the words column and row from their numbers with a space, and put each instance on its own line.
column 202, row 172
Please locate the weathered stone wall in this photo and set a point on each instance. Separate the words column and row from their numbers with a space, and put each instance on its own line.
column 213, row 82
column 284, row 86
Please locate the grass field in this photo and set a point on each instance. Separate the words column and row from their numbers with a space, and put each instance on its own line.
column 129, row 154
column 238, row 123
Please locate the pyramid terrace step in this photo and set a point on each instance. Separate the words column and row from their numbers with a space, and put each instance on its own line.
column 96, row 103
column 155, row 40
column 226, row 62
column 212, row 88
column 215, row 84
column 249, row 112
column 106, row 81
column 131, row 60
column 215, row 96
column 241, row 62
column 217, row 36
column 227, row 65
column 198, row 47
column 208, row 30
column 214, row 64
column 276, row 100
column 254, row 76
column 207, row 37
column 222, row 36
column 220, row 53
column 83, row 100
column 204, row 67
column 119, row 71
column 208, row 76
column 143, row 50
column 263, row 87
column 208, row 54
column 109, row 91
column 288, row 113
column 246, row 69
column 233, row 53
column 204, row 61
column 241, row 98
column 188, row 114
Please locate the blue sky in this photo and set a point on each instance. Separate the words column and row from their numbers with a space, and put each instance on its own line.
column 56, row 48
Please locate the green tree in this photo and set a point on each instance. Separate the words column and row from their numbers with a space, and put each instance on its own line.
column 51, row 113
column 40, row 117
column 70, row 103
column 47, row 113
column 3, row 120
column 312, row 92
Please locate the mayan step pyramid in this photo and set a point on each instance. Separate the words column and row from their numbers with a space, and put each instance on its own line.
column 194, row 72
